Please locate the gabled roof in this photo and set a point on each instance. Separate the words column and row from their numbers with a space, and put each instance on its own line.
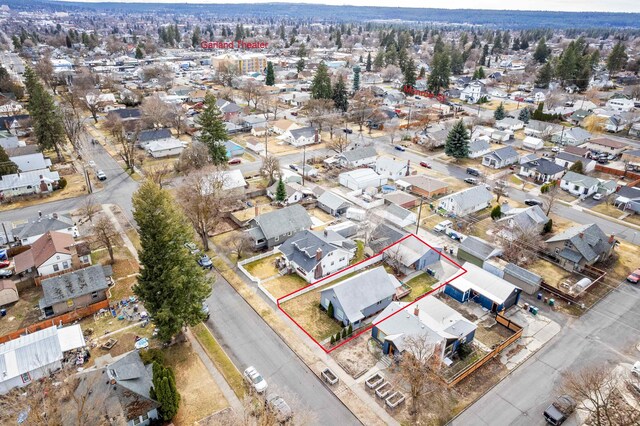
column 125, row 113
column 154, row 135
column 480, row 248
column 32, row 178
column 424, row 182
column 41, row 225
column 576, row 133
column 73, row 284
column 30, row 162
column 478, row 145
column 359, row 154
column 471, row 197
column 588, row 240
column 525, row 217
column 164, row 144
column 545, row 167
column 522, row 274
column 609, row 143
column 279, row 222
column 304, row 132
column 483, row 282
column 383, row 236
column 49, row 244
column 504, row 153
column 302, row 248
column 578, row 179
column 332, row 200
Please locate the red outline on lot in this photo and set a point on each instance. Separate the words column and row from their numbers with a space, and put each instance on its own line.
column 464, row 271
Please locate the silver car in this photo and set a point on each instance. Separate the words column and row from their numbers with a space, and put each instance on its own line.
column 255, row 380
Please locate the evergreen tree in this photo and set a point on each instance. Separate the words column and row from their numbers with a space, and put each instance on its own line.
column 457, row 62
column 548, row 226
column 270, row 79
column 338, row 40
column 525, row 115
column 164, row 391
column 369, row 62
column 617, row 59
column 378, row 62
column 496, row 212
column 139, row 53
column 213, row 133
column 321, row 84
column 542, row 51
column 171, row 284
column 543, row 78
column 300, row 65
column 356, row 79
column 330, row 310
column 440, row 72
column 340, row 98
column 410, row 73
column 281, row 191
column 7, row 167
column 577, row 167
column 481, row 73
column 196, row 37
column 499, row 113
column 423, row 72
column 457, row 143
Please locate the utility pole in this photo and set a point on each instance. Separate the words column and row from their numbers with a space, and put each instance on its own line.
column 419, row 214
column 304, row 161
column 266, row 138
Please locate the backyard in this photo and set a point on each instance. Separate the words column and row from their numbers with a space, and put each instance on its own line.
column 285, row 284
column 420, row 285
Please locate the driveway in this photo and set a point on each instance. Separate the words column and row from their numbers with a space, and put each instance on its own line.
column 248, row 340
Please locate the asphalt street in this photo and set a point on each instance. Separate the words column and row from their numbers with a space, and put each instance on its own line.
column 248, row 340
column 607, row 334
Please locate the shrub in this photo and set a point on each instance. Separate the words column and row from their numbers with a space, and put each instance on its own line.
column 333, row 340
column 464, row 349
column 330, row 310
column 62, row 183
column 164, row 391
column 338, row 337
column 548, row 227
column 496, row 212
column 151, row 355
column 344, row 333
column 350, row 330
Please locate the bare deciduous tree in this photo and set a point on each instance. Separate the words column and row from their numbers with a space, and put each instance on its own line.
column 127, row 150
column 105, row 235
column 361, row 107
column 72, row 124
column 316, row 110
column 520, row 244
column 154, row 111
column 226, row 74
column 391, row 73
column 551, row 196
column 251, row 92
column 339, row 144
column 270, row 168
column 239, row 244
column 194, row 157
column 159, row 173
column 176, row 117
column 419, row 359
column 90, row 207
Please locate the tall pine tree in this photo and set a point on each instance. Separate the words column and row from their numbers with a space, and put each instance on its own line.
column 340, row 98
column 281, row 191
column 617, row 59
column 542, row 51
column 213, row 133
column 321, row 85
column 7, row 167
column 369, row 62
column 410, row 73
column 457, row 144
column 270, row 79
column 171, row 284
column 499, row 113
column 356, row 79
column 164, row 391
column 440, row 72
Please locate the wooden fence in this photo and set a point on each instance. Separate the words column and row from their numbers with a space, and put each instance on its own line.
column 504, row 321
column 67, row 318
column 617, row 172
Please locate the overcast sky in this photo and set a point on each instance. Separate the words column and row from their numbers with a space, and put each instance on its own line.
column 557, row 5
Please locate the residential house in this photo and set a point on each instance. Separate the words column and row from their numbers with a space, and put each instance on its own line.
column 294, row 192
column 429, row 319
column 516, row 220
column 423, row 186
column 477, row 251
column 577, row 118
column 580, row 246
column 9, row 141
column 573, row 136
column 479, row 148
column 579, row 151
column 36, row 355
column 392, row 169
column 127, row 114
column 631, row 158
column 615, row 123
column 34, row 182
column 17, row 125
column 628, row 199
column 230, row 110
column 73, row 290
column 509, row 123
column 396, row 215
column 567, row 161
column 8, row 292
column 145, row 137
column 466, row 201
column 383, row 236
column 542, row 170
column 332, row 203
column 254, row 120
column 317, row 254
column 579, row 185
column 634, row 130
column 361, row 179
column 361, row 296
column 275, row 227
column 233, row 149
column 295, row 99
column 528, row 281
column 501, row 158
column 29, row 231
column 365, row 156
column 165, row 148
column 620, row 104
column 411, row 254
column 402, row 199
column 302, row 136
column 532, row 143
column 53, row 252
column 119, row 391
column 473, row 92
column 31, row 162
column 606, row 146
column 490, row 291
column 281, row 126
column 540, row 129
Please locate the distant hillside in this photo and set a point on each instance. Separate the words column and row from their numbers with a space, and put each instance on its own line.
column 499, row 19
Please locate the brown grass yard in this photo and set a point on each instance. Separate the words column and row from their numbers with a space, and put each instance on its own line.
column 305, row 310
column 263, row 268
column 283, row 285
column 616, row 213
column 22, row 313
column 552, row 273
column 200, row 395
column 419, row 286
column 75, row 187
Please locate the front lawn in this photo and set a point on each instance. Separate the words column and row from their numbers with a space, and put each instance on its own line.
column 281, row 286
column 305, row 310
column 263, row 268
column 419, row 286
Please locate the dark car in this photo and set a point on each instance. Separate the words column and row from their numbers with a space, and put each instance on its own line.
column 560, row 410
column 425, row 164
column 347, row 131
column 532, row 202
column 473, row 172
column 205, row 262
column 400, row 148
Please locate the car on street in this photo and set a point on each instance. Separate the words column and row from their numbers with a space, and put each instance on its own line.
column 532, row 202
column 598, row 196
column 193, row 249
column 234, row 161
column 100, row 175
column 348, row 131
column 559, row 410
column 205, row 262
column 255, row 380
column 6, row 273
column 425, row 164
column 472, row 181
column 473, row 172
column 293, row 167
column 634, row 277
column 294, row 113
column 555, row 149
column 442, row 226
column 280, row 409
column 635, row 368
column 400, row 148
column 92, row 164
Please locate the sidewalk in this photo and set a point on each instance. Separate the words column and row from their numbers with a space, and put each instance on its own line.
column 106, row 208
column 231, row 397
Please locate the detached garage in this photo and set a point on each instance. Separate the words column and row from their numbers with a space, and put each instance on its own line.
column 165, row 148
column 8, row 292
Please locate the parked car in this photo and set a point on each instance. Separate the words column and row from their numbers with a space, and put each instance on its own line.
column 635, row 369
column 348, row 131
column 294, row 113
column 4, row 264
column 205, row 310
column 400, row 148
column 280, row 409
column 92, row 164
column 473, row 172
column 532, row 202
column 425, row 164
column 100, row 175
column 634, row 277
column 6, row 273
column 443, row 225
column 555, row 149
column 255, row 380
column 560, row 410
column 205, row 262
column 234, row 161
column 193, row 249
column 598, row 196
column 293, row 167
column 472, row 181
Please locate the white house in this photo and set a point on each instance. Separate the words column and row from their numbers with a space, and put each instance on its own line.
column 165, row 148
column 52, row 252
column 621, row 104
column 302, row 136
column 509, row 123
column 36, row 355
column 500, row 158
column 29, row 231
column 34, row 182
column 567, row 160
column 295, row 192
column 479, row 148
column 398, row 216
column 361, row 179
column 473, row 92
column 392, row 169
column 466, row 201
column 31, row 162
column 532, row 143
column 365, row 156
column 579, row 185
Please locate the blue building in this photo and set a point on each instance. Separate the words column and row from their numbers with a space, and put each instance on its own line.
column 233, row 149
column 484, row 288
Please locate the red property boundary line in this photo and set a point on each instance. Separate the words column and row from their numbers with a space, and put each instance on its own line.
column 380, row 254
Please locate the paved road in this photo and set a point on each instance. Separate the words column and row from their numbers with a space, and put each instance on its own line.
column 248, row 340
column 607, row 334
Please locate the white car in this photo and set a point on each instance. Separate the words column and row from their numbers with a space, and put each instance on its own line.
column 442, row 226
column 257, row 382
column 598, row 196
column 92, row 164
column 635, row 369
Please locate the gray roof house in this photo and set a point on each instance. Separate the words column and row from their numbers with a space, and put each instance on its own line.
column 302, row 136
column 317, row 254
column 75, row 289
column 28, row 232
column 360, row 296
column 579, row 185
column 526, row 280
column 628, row 198
column 478, row 148
column 332, row 203
column 119, row 391
column 477, row 251
column 383, row 236
column 580, row 246
column 274, row 228
column 30, row 162
column 574, row 136
column 566, row 160
column 500, row 158
column 364, row 156
column 542, row 170
column 467, row 201
column 146, row 136
column 540, row 129
column 521, row 219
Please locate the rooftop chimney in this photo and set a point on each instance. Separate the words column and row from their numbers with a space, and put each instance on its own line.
column 581, row 235
column 326, row 233
column 416, row 310
column 318, row 254
column 256, row 210
column 612, row 238
column 39, row 213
